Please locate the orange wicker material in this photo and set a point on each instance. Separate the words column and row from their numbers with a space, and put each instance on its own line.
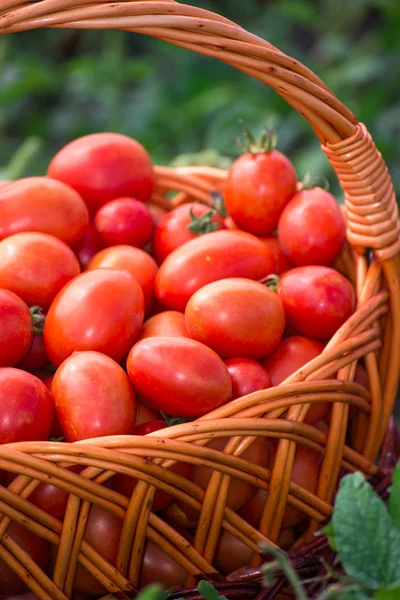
column 370, row 260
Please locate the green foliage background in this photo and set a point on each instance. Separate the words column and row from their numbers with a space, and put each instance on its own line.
column 59, row 85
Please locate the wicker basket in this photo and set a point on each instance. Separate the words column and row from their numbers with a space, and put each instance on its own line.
column 372, row 333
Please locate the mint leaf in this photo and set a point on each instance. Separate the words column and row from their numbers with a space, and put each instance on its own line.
column 208, row 591
column 392, row 593
column 394, row 499
column 368, row 544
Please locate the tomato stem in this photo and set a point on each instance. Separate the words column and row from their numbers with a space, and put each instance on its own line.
column 38, row 318
column 204, row 223
column 271, row 282
column 312, row 181
column 266, row 141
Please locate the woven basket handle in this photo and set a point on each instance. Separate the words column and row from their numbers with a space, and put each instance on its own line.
column 369, row 197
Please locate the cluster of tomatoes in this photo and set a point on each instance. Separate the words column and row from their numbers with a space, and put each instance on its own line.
column 115, row 314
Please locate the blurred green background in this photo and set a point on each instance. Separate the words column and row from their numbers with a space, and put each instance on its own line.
column 58, row 85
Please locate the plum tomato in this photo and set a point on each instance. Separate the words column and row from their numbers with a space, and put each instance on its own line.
column 104, row 166
column 124, row 221
column 26, row 407
column 312, row 229
column 52, row 499
column 210, row 257
column 16, row 329
column 169, row 373
column 247, row 376
column 259, row 186
column 159, row 567
column 281, row 261
column 236, row 317
column 169, row 322
column 93, row 397
column 99, row 310
column 44, row 205
column 35, row 266
column 293, row 353
column 317, row 300
column 89, row 245
column 134, row 260
column 36, row 357
column 182, row 224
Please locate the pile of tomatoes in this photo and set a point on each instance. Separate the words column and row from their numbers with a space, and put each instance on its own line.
column 116, row 315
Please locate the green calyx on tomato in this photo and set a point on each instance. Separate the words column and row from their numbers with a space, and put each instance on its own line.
column 170, row 420
column 267, row 140
column 271, row 282
column 38, row 318
column 204, row 223
column 310, row 182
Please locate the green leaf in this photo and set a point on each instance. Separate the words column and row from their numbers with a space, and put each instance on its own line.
column 208, row 591
column 394, row 499
column 329, row 532
column 152, row 592
column 367, row 541
column 173, row 420
column 392, row 593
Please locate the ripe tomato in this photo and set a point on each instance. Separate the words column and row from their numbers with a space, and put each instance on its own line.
column 281, row 261
column 247, row 376
column 93, row 397
column 26, row 407
column 37, row 548
column 311, row 228
column 16, row 329
column 89, row 245
column 210, row 257
column 157, row 212
column 231, row 553
column 104, row 166
column 36, row 266
column 169, row 373
column 125, row 484
column 145, row 413
column 102, row 532
column 291, row 354
column 236, row 317
column 258, row 187
column 169, row 322
column 139, row 264
column 99, row 310
column 36, row 357
column 124, row 221
column 51, row 498
column 182, row 224
column 158, row 567
column 44, row 205
column 305, row 474
column 317, row 300
column 239, row 491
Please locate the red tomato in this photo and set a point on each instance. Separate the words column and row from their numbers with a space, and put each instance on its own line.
column 247, row 376
column 258, row 187
column 139, row 264
column 36, row 357
column 124, row 221
column 125, row 484
column 102, row 532
column 292, row 354
column 208, row 258
column 37, row 548
column 16, row 329
column 317, row 300
column 311, row 228
column 157, row 212
column 51, row 498
column 239, row 491
column 56, row 430
column 26, row 407
column 100, row 310
column 104, row 166
column 236, row 317
column 93, row 397
column 44, row 205
column 90, row 244
column 305, row 474
column 281, row 261
column 179, row 226
column 36, row 266
column 169, row 322
column 179, row 376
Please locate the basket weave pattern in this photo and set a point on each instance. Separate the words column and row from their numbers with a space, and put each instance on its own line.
column 371, row 261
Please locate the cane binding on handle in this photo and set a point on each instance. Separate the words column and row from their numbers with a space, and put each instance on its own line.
column 372, row 333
